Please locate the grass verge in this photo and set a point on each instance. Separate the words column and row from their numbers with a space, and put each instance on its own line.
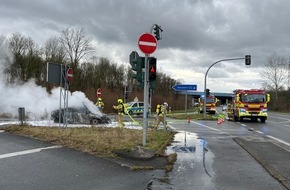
column 98, row 141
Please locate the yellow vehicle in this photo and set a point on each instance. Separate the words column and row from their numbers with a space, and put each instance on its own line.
column 252, row 104
column 210, row 104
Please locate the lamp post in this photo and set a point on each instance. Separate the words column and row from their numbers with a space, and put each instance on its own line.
column 247, row 61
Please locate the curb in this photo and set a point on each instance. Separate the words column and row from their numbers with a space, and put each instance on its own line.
column 276, row 174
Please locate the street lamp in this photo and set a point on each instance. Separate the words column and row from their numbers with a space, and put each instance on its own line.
column 247, row 62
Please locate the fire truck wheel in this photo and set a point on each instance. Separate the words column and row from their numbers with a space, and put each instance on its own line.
column 263, row 119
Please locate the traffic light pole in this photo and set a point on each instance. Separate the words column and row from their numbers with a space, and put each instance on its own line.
column 204, row 100
column 146, row 91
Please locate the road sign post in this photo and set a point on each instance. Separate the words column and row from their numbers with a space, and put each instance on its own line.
column 185, row 87
column 147, row 44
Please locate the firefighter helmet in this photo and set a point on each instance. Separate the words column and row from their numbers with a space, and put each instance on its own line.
column 158, row 106
column 120, row 101
column 99, row 99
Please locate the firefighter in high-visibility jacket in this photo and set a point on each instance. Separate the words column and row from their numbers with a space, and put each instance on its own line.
column 100, row 104
column 160, row 115
column 121, row 110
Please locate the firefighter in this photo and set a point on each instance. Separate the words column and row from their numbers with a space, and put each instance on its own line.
column 100, row 104
column 230, row 111
column 121, row 110
column 160, row 115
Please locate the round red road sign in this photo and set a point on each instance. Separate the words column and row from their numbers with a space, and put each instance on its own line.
column 99, row 93
column 69, row 74
column 147, row 43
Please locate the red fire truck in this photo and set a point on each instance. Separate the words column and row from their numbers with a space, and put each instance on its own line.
column 252, row 104
column 210, row 104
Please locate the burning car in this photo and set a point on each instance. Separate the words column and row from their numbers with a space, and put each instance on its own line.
column 86, row 114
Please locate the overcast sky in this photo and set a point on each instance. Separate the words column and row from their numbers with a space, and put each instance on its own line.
column 196, row 33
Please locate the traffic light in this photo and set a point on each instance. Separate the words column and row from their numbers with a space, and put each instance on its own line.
column 152, row 69
column 151, row 85
column 248, row 60
column 156, row 32
column 137, row 65
column 207, row 92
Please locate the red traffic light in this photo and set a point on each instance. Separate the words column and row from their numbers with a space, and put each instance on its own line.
column 152, row 69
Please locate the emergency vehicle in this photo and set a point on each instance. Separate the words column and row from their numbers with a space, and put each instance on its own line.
column 134, row 108
column 211, row 101
column 252, row 104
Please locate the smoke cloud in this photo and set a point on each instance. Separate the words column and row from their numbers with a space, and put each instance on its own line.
column 38, row 103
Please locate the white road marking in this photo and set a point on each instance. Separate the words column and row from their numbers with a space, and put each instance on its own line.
column 26, row 152
column 279, row 140
column 272, row 121
column 2, row 131
column 260, row 132
column 207, row 126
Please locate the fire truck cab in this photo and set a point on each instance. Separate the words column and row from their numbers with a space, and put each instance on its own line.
column 250, row 104
column 210, row 104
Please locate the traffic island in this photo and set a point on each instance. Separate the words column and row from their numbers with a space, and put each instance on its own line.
column 141, row 158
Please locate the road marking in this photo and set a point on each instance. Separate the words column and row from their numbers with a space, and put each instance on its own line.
column 207, row 126
column 26, row 152
column 2, row 131
column 279, row 140
column 260, row 132
column 284, row 122
column 272, row 121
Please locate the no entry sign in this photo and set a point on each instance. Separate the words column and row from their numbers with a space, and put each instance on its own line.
column 147, row 43
column 69, row 74
column 99, row 93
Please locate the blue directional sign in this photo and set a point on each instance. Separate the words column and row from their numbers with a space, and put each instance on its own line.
column 182, row 87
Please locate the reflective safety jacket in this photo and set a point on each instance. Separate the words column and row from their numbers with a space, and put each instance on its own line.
column 120, row 108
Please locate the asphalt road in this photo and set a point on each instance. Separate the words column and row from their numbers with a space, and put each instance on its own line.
column 28, row 164
column 232, row 155
column 247, row 155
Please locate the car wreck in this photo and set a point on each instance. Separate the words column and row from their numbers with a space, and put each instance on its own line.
column 86, row 114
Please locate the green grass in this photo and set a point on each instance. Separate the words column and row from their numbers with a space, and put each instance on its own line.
column 96, row 140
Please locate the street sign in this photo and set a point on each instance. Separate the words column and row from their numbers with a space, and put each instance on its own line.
column 99, row 93
column 147, row 43
column 182, row 87
column 69, row 74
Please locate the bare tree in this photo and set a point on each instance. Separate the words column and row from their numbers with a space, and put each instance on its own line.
column 76, row 44
column 18, row 44
column 54, row 51
column 275, row 73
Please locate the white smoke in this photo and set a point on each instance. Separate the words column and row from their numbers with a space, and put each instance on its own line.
column 37, row 102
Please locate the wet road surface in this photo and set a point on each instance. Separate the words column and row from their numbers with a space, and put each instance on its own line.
column 210, row 159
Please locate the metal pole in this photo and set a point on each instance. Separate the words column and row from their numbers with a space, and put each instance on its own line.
column 150, row 101
column 185, row 103
column 164, row 119
column 145, row 114
column 204, row 101
column 289, row 76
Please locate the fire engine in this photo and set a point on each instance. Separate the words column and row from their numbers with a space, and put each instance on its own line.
column 250, row 104
column 211, row 101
